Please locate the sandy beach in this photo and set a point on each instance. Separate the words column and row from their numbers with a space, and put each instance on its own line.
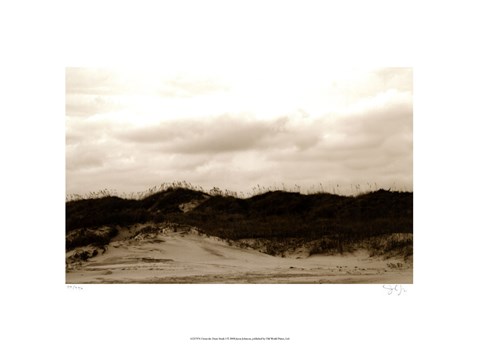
column 187, row 256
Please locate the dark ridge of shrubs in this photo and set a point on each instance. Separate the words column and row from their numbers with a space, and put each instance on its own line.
column 85, row 237
column 168, row 200
column 276, row 214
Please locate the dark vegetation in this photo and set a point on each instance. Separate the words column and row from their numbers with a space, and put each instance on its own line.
column 328, row 221
column 84, row 237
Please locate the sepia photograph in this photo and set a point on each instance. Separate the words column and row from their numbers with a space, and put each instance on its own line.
column 239, row 177
column 239, row 173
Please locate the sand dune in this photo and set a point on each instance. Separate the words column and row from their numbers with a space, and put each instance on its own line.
column 168, row 255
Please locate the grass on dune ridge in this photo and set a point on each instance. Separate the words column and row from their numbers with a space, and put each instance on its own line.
column 327, row 222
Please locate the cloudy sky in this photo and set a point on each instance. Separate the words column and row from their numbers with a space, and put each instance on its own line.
column 131, row 129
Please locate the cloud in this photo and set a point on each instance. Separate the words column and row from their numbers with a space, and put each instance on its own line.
column 104, row 82
column 92, row 81
column 375, row 121
column 373, row 145
column 80, row 158
column 89, row 105
column 218, row 134
column 138, row 92
column 400, row 79
column 367, row 139
column 188, row 87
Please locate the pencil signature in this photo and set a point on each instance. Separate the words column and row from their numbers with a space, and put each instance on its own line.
column 394, row 288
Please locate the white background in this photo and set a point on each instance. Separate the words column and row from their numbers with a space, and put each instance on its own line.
column 39, row 39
